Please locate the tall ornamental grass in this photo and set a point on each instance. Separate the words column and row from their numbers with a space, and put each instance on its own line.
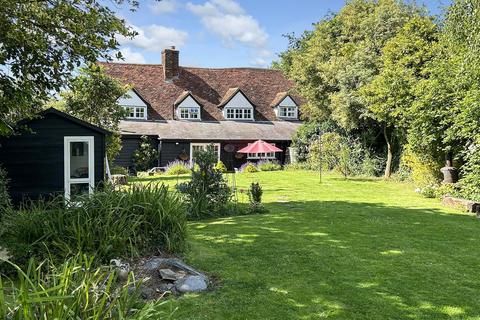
column 107, row 224
column 73, row 290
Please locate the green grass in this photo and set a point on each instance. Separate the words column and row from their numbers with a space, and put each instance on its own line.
column 356, row 249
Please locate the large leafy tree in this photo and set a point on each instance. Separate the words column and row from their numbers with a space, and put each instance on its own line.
column 447, row 110
column 390, row 94
column 332, row 64
column 43, row 41
column 93, row 97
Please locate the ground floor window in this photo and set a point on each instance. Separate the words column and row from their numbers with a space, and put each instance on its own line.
column 202, row 146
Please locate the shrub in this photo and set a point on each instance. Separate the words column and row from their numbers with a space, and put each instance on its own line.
column 107, row 224
column 297, row 166
column 207, row 192
column 268, row 165
column 220, row 166
column 429, row 191
column 424, row 171
column 255, row 193
column 72, row 290
column 119, row 170
column 249, row 167
column 176, row 167
column 146, row 156
column 4, row 196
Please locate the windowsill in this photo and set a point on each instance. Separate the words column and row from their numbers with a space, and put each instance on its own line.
column 287, row 118
column 181, row 119
column 239, row 119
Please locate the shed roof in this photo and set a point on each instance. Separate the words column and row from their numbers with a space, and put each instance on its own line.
column 212, row 130
column 68, row 117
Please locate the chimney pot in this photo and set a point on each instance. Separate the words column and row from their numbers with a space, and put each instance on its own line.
column 171, row 69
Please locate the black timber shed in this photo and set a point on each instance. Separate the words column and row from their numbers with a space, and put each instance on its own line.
column 53, row 153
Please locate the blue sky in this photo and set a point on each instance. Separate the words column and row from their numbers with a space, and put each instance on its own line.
column 224, row 33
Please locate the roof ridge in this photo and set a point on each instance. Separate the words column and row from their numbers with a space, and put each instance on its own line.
column 189, row 67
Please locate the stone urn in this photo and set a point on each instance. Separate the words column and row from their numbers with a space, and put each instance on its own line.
column 450, row 174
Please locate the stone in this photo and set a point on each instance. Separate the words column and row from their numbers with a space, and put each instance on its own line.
column 168, row 274
column 191, row 284
column 153, row 263
column 121, row 269
column 467, row 205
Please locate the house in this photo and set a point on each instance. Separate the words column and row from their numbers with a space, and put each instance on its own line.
column 183, row 109
column 54, row 153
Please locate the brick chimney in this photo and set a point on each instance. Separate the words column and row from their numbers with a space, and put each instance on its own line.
column 170, row 64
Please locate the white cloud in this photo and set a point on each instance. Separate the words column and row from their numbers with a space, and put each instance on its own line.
column 259, row 62
column 227, row 19
column 155, row 38
column 164, row 6
column 131, row 56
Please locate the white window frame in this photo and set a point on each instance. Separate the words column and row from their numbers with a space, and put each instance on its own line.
column 68, row 181
column 204, row 146
column 135, row 110
column 238, row 111
column 261, row 155
column 288, row 110
column 190, row 113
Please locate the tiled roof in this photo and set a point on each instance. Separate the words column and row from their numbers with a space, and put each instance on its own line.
column 208, row 86
column 212, row 130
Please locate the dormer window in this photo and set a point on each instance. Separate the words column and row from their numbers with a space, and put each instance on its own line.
column 285, row 107
column 189, row 113
column 187, row 107
column 236, row 106
column 134, row 105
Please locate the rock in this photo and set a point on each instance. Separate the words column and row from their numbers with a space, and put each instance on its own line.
column 165, row 287
column 168, row 274
column 463, row 204
column 147, row 293
column 191, row 284
column 121, row 269
column 153, row 263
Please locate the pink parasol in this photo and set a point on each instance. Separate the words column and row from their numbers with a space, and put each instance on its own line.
column 259, row 146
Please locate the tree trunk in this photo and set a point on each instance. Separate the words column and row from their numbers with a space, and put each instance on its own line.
column 388, row 166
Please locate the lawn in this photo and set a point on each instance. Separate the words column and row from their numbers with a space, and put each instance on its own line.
column 343, row 249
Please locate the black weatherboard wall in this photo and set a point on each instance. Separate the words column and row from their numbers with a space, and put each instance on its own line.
column 34, row 159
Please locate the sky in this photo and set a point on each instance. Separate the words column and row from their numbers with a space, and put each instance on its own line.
column 224, row 33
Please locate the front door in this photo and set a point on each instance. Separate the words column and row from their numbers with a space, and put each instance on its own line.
column 79, row 166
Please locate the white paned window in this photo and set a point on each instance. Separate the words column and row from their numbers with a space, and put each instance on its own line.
column 287, row 112
column 189, row 113
column 136, row 112
column 262, row 155
column 239, row 113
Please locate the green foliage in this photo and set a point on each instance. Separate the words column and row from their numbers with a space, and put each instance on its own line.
column 177, row 167
column 220, row 166
column 424, row 171
column 93, row 97
column 249, row 168
column 207, row 193
column 119, row 170
column 302, row 139
column 470, row 183
column 268, row 165
column 4, row 196
column 343, row 154
column 146, row 156
column 37, row 68
column 255, row 193
column 107, row 224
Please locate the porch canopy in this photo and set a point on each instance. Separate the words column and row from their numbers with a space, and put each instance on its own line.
column 259, row 146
